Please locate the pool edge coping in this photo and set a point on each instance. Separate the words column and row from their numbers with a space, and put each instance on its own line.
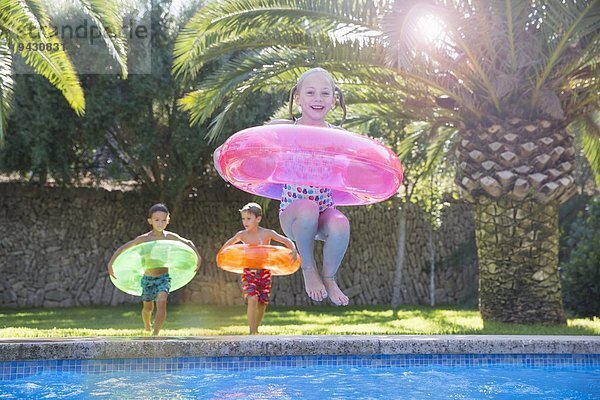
column 267, row 345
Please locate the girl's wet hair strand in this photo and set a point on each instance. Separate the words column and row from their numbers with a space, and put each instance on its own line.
column 291, row 102
column 342, row 103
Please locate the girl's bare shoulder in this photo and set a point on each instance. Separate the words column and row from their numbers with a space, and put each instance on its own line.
column 280, row 122
column 336, row 127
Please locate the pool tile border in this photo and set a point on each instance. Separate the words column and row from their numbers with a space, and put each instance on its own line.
column 23, row 357
column 259, row 346
column 10, row 370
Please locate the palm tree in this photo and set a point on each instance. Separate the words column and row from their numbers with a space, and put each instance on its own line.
column 514, row 76
column 505, row 78
column 25, row 26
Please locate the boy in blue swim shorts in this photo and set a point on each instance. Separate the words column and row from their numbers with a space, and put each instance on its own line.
column 156, row 282
column 153, row 285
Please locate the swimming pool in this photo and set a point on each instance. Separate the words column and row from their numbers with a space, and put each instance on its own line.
column 463, row 367
column 468, row 376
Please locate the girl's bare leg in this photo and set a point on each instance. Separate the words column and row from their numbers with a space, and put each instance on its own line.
column 299, row 221
column 147, row 309
column 334, row 229
column 161, row 312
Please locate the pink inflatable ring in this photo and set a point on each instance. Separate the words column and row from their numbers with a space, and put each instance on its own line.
column 357, row 169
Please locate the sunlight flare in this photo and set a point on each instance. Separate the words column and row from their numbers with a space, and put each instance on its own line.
column 431, row 29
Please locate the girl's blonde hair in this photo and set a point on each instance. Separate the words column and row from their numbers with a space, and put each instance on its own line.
column 298, row 85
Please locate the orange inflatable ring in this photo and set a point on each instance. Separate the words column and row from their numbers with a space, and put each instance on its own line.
column 276, row 259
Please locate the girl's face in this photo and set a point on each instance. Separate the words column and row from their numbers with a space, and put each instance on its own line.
column 159, row 221
column 315, row 98
column 250, row 221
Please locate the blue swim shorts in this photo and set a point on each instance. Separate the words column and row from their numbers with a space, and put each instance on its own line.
column 153, row 285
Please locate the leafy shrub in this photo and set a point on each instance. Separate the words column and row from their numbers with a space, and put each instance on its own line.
column 581, row 273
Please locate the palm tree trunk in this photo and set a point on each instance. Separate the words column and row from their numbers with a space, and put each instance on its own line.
column 517, row 246
column 397, row 283
column 431, row 268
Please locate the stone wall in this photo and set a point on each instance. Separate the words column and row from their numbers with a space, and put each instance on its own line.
column 56, row 243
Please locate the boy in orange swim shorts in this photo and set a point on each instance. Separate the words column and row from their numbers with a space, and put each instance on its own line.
column 256, row 284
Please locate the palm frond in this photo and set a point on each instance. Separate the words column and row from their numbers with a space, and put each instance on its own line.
column 223, row 21
column 440, row 140
column 108, row 18
column 18, row 17
column 587, row 128
column 409, row 143
column 6, row 88
column 576, row 80
column 563, row 23
column 511, row 31
column 57, row 68
column 254, row 40
column 451, row 55
column 20, row 26
column 37, row 10
column 504, row 53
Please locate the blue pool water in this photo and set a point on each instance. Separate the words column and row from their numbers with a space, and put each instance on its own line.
column 307, row 377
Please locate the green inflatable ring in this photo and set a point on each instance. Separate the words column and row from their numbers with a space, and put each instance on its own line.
column 129, row 266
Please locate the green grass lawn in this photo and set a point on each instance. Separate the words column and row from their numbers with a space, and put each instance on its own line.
column 188, row 320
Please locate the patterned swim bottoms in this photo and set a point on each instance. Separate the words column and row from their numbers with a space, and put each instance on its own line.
column 290, row 193
column 257, row 283
column 153, row 285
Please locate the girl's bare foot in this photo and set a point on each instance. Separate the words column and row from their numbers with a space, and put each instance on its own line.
column 335, row 293
column 313, row 284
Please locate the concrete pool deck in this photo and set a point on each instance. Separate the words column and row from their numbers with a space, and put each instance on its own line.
column 236, row 346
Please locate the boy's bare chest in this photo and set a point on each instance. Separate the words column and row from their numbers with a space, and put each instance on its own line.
column 256, row 238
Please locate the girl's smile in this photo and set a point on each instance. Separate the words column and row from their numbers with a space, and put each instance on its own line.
column 315, row 98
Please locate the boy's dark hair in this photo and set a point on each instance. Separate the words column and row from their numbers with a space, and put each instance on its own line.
column 252, row 208
column 159, row 207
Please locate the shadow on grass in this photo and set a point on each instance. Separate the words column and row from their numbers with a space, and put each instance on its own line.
column 121, row 317
column 498, row 328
